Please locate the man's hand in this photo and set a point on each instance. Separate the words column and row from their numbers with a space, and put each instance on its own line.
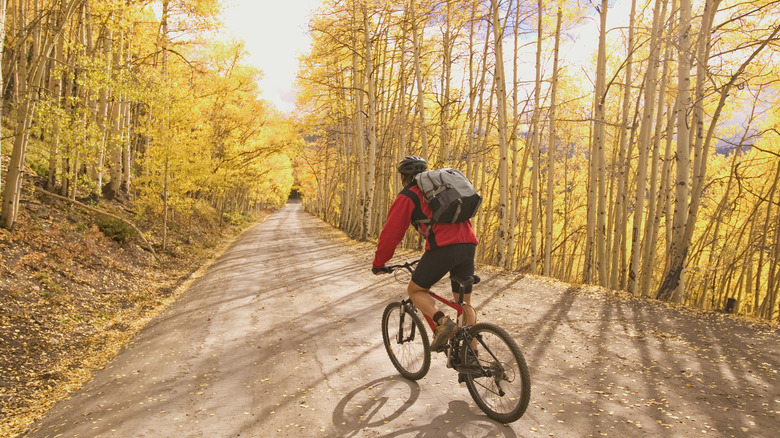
column 378, row 271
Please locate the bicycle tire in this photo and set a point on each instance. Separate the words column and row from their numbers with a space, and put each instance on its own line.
column 503, row 392
column 411, row 356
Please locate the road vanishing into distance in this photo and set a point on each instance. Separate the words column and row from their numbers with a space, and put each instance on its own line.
column 281, row 337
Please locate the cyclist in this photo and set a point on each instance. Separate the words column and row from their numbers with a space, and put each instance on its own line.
column 448, row 248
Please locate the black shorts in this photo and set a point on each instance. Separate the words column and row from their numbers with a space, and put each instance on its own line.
column 456, row 259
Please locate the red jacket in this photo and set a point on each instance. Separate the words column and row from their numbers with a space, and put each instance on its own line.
column 405, row 212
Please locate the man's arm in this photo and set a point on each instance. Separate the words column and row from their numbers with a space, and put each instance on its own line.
column 398, row 219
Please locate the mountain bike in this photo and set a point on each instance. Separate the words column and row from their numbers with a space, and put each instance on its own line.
column 487, row 359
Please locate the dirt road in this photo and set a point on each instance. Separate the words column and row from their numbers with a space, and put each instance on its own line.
column 280, row 337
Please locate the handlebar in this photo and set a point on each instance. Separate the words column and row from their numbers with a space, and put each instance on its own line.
column 409, row 266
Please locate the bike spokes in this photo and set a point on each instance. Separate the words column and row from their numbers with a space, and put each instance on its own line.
column 406, row 341
column 499, row 381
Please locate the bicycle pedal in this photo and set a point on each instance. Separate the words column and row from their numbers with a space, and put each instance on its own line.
column 442, row 349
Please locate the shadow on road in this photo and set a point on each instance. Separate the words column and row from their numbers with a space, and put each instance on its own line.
column 369, row 408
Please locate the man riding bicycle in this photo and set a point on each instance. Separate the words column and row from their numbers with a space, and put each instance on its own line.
column 448, row 248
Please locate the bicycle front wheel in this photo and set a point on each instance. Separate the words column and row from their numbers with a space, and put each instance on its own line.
column 501, row 384
column 406, row 341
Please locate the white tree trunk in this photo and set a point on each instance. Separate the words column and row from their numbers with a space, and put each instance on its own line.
column 371, row 170
column 536, row 142
column 548, row 241
column 2, row 49
column 599, row 165
column 645, row 132
column 503, row 167
column 618, row 237
column 29, row 79
column 416, row 42
column 677, row 252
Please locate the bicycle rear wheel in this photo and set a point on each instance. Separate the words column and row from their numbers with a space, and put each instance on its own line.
column 406, row 341
column 501, row 384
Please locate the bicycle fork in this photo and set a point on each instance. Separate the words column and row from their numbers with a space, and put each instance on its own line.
column 401, row 338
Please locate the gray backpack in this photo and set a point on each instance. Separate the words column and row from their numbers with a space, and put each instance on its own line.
column 450, row 195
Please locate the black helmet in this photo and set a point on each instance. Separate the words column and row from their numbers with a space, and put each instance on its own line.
column 412, row 165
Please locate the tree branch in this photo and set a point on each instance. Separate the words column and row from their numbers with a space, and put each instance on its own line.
column 105, row 213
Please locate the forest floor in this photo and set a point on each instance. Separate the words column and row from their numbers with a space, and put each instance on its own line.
column 71, row 297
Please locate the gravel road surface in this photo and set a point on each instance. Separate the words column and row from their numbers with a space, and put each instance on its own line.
column 280, row 337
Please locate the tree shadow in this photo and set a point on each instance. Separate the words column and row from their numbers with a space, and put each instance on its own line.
column 372, row 407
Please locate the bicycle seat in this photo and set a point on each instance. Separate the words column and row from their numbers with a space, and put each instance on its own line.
column 465, row 281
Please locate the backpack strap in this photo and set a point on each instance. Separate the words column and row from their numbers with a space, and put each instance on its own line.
column 418, row 217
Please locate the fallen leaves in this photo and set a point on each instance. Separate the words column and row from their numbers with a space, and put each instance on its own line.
column 69, row 299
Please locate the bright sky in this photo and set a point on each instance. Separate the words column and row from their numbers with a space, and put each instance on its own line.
column 276, row 33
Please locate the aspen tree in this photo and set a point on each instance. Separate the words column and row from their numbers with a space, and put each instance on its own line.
column 536, row 142
column 55, row 86
column 369, row 78
column 126, row 141
column 165, row 145
column 672, row 288
column 598, row 175
column 702, row 61
column 446, row 72
column 763, row 308
column 652, row 223
column 770, row 302
column 748, row 265
column 618, row 235
column 703, row 145
column 503, row 168
column 30, row 78
column 678, row 250
column 416, row 47
column 2, row 50
column 551, row 148
column 513, row 183
column 116, row 114
column 645, row 136
column 483, row 128
column 358, row 133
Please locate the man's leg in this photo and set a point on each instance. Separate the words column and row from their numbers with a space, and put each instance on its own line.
column 427, row 305
column 469, row 314
column 421, row 299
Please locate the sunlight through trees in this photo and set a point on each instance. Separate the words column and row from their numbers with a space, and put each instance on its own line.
column 651, row 168
column 138, row 101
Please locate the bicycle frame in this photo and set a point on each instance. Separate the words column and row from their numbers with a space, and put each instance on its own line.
column 458, row 308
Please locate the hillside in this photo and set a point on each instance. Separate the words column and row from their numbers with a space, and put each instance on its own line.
column 75, row 285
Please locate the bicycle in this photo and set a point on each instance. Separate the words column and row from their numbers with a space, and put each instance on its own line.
column 487, row 359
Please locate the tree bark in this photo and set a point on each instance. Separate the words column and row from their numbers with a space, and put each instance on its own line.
column 678, row 250
column 645, row 137
column 598, row 177
column 622, row 164
column 371, row 170
column 536, row 143
column 416, row 43
column 31, row 80
column 551, row 147
column 503, row 167
column 2, row 50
